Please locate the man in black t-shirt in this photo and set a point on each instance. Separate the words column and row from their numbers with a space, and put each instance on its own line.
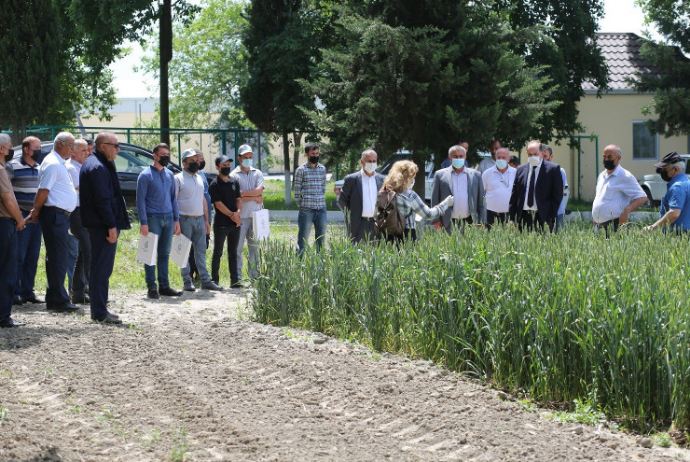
column 227, row 199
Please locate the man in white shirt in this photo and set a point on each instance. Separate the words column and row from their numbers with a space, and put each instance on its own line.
column 251, row 182
column 55, row 201
column 358, row 198
column 194, row 225
column 498, row 185
column 618, row 193
column 79, row 261
column 465, row 185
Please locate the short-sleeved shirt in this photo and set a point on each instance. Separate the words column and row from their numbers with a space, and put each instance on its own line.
column 498, row 187
column 53, row 176
column 190, row 194
column 24, row 178
column 249, row 180
column 615, row 191
column 677, row 197
column 5, row 187
column 226, row 192
column 564, row 201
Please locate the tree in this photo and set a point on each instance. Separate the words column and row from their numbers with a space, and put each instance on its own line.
column 282, row 44
column 33, row 62
column 569, row 51
column 422, row 74
column 671, row 85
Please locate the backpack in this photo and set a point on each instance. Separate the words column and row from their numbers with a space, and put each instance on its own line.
column 388, row 219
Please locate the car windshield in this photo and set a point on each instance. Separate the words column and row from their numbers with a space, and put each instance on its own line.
column 131, row 162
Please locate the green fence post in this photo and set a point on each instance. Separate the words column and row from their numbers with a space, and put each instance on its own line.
column 237, row 135
column 258, row 148
column 179, row 149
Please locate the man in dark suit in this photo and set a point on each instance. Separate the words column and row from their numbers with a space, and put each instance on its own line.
column 358, row 198
column 465, row 185
column 104, row 214
column 537, row 191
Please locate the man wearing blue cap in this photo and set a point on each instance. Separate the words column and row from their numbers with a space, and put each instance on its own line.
column 675, row 205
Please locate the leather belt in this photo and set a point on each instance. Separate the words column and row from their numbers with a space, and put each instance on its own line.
column 367, row 218
column 58, row 210
column 191, row 216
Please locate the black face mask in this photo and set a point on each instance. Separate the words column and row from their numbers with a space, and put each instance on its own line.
column 202, row 165
column 609, row 164
column 225, row 171
column 193, row 167
column 36, row 155
column 664, row 176
column 314, row 159
column 9, row 155
column 164, row 161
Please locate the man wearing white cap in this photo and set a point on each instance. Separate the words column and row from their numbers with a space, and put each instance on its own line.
column 194, row 224
column 251, row 182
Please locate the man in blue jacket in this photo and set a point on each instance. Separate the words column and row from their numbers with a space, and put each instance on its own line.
column 104, row 214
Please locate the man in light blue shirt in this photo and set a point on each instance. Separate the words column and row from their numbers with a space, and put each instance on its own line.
column 158, row 214
column 675, row 205
column 55, row 200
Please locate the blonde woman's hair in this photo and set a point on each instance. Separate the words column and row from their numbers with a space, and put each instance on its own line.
column 400, row 176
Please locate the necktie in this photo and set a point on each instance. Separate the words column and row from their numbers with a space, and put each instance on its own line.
column 530, row 192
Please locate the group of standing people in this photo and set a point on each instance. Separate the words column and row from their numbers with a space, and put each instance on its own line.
column 73, row 196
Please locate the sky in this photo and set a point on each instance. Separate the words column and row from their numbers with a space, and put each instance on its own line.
column 619, row 16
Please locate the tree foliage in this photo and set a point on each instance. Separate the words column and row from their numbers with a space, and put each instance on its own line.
column 569, row 52
column 422, row 74
column 671, row 85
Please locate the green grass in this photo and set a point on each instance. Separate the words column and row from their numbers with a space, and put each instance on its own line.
column 565, row 317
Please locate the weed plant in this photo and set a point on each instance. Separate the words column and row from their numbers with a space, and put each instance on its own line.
column 565, row 317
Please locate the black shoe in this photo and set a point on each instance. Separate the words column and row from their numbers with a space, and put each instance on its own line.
column 170, row 292
column 153, row 293
column 34, row 299
column 237, row 285
column 109, row 319
column 85, row 300
column 17, row 300
column 66, row 307
column 9, row 322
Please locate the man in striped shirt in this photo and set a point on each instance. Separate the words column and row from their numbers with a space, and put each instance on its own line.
column 252, row 188
column 310, row 194
column 23, row 173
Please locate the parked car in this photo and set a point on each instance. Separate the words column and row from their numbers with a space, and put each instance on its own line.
column 130, row 162
column 386, row 167
column 655, row 187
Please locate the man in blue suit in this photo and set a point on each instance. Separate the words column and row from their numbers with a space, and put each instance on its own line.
column 358, row 198
column 104, row 214
column 537, row 191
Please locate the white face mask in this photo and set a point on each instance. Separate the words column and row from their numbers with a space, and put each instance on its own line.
column 412, row 185
column 458, row 163
column 534, row 160
column 370, row 167
column 501, row 164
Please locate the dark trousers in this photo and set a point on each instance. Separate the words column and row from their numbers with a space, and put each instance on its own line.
column 193, row 272
column 82, row 269
column 102, row 262
column 219, row 237
column 610, row 224
column 28, row 249
column 8, row 270
column 408, row 234
column 366, row 231
column 493, row 217
column 531, row 221
column 55, row 226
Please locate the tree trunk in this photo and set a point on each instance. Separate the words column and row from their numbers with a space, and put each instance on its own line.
column 297, row 138
column 165, row 57
column 286, row 158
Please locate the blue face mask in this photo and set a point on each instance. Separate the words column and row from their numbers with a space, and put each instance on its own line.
column 501, row 164
column 458, row 163
column 246, row 163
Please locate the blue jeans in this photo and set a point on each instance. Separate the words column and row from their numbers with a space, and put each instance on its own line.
column 28, row 249
column 306, row 218
column 55, row 226
column 194, row 229
column 164, row 228
column 8, row 273
column 560, row 221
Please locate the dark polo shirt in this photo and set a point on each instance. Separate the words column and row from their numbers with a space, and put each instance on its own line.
column 226, row 192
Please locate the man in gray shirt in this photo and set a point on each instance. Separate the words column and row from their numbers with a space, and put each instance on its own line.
column 252, row 187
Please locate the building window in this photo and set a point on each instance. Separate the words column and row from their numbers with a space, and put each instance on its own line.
column 645, row 146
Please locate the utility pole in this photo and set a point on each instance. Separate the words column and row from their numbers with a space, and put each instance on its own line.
column 166, row 52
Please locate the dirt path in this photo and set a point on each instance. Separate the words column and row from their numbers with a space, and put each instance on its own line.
column 189, row 381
